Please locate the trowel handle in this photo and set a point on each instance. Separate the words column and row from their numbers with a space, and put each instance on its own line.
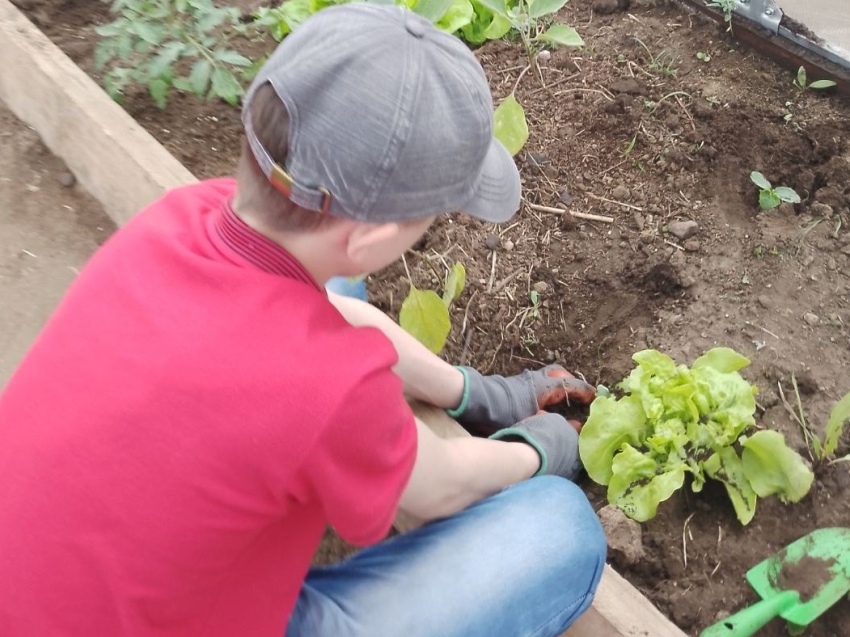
column 746, row 622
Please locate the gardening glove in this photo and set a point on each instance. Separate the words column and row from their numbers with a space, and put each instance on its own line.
column 491, row 403
column 553, row 438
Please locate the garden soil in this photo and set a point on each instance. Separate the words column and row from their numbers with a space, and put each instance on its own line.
column 660, row 120
column 49, row 228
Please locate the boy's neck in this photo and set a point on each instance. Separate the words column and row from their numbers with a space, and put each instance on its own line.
column 315, row 251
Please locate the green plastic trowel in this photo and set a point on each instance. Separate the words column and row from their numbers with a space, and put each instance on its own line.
column 799, row 583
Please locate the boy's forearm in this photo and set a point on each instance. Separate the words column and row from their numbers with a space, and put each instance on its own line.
column 426, row 377
column 452, row 474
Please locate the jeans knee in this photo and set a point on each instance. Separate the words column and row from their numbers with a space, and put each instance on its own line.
column 566, row 517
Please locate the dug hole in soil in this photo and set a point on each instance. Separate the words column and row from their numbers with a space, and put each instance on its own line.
column 639, row 128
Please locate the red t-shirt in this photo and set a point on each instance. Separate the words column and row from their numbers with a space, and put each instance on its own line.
column 178, row 437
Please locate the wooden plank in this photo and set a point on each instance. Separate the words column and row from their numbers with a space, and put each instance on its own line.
column 112, row 156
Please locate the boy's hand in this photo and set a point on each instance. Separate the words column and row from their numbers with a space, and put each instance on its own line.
column 494, row 402
column 554, row 439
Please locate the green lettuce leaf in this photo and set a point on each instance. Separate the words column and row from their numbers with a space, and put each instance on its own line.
column 774, row 469
column 637, row 487
column 611, row 424
column 725, row 465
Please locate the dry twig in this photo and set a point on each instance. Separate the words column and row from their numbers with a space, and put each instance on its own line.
column 577, row 215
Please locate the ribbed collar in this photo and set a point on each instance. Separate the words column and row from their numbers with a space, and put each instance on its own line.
column 258, row 249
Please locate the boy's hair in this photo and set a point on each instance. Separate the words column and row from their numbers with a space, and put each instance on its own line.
column 255, row 193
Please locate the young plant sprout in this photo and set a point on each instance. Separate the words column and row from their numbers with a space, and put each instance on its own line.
column 770, row 197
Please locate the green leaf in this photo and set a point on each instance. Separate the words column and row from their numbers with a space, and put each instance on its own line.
column 726, row 466
column 104, row 52
column 225, row 86
column 637, row 488
column 768, row 200
column 787, row 194
column 821, row 84
column 539, row 8
column 496, row 6
column 611, row 424
column 562, row 35
column 182, row 84
column 459, row 15
column 151, row 33
column 229, row 56
column 211, row 20
column 158, row 90
column 510, row 126
column 801, row 77
column 774, row 469
column 425, row 316
column 199, row 76
column 723, row 359
column 433, row 10
column 168, row 55
column 454, row 284
column 838, row 418
column 760, row 180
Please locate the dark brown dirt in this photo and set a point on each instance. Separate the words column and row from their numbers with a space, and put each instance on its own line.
column 807, row 576
column 638, row 128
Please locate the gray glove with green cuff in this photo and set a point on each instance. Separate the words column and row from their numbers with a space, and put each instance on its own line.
column 554, row 439
column 491, row 403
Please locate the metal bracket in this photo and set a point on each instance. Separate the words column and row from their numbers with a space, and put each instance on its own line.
column 763, row 12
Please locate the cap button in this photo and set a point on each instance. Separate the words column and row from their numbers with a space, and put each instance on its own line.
column 415, row 24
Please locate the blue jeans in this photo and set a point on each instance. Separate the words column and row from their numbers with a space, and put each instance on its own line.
column 523, row 562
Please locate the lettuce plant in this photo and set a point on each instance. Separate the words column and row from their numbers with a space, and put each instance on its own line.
column 673, row 421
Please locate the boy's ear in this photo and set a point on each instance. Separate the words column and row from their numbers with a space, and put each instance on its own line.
column 365, row 237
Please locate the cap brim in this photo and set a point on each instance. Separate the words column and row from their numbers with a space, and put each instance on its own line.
column 497, row 192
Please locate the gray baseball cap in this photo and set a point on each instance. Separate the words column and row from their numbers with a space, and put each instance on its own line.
column 390, row 120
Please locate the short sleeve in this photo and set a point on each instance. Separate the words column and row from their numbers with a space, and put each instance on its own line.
column 363, row 460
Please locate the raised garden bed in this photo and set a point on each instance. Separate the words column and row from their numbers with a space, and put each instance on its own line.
column 604, row 139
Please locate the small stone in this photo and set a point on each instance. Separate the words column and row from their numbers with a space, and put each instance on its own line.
column 821, row 210
column 623, row 534
column 550, row 356
column 492, row 242
column 540, row 287
column 831, row 264
column 846, row 250
column 683, row 230
column 610, row 6
column 508, row 245
column 67, row 179
column 764, row 301
column 640, row 222
column 811, row 319
column 646, row 238
column 544, row 56
column 691, row 245
column 621, row 192
column 627, row 85
column 566, row 198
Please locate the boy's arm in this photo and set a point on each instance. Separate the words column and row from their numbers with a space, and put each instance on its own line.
column 426, row 377
column 451, row 474
column 485, row 403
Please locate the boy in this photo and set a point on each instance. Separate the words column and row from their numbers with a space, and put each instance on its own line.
column 197, row 411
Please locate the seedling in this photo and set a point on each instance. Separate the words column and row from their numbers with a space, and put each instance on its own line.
column 530, row 20
column 770, row 197
column 144, row 44
column 727, row 7
column 425, row 314
column 800, row 81
column 674, row 420
column 662, row 63
column 703, row 57
column 820, row 449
